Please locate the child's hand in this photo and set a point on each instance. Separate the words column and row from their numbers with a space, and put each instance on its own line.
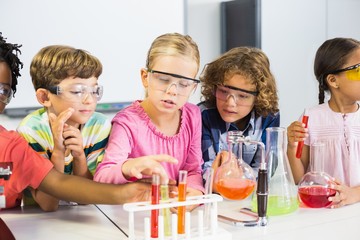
column 147, row 165
column 345, row 195
column 189, row 192
column 57, row 124
column 137, row 192
column 296, row 132
column 219, row 160
column 73, row 141
column 192, row 192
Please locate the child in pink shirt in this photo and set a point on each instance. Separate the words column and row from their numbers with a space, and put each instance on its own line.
column 162, row 123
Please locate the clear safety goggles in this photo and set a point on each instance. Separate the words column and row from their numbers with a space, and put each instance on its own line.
column 6, row 93
column 78, row 92
column 163, row 81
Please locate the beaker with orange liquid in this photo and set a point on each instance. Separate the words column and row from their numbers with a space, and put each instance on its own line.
column 235, row 179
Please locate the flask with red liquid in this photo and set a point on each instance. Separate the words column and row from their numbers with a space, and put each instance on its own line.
column 314, row 188
column 235, row 179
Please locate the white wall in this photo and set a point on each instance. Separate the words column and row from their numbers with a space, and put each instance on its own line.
column 292, row 30
column 118, row 32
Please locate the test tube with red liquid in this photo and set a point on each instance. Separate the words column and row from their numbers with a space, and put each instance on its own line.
column 181, row 198
column 155, row 199
column 300, row 146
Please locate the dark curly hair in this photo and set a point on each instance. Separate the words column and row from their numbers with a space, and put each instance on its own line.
column 9, row 54
column 331, row 56
column 250, row 63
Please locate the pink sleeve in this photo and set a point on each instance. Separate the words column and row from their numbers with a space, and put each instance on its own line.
column 194, row 159
column 116, row 153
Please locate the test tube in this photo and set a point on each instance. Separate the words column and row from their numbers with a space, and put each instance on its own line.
column 209, row 178
column 181, row 198
column 155, row 195
column 164, row 192
column 300, row 146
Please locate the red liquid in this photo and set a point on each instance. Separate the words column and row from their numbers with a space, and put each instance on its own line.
column 155, row 195
column 316, row 196
column 301, row 143
column 235, row 189
column 181, row 209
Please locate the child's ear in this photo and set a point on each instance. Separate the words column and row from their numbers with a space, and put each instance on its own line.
column 42, row 95
column 144, row 77
column 332, row 81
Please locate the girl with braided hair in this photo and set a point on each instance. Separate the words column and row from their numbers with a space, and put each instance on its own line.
column 334, row 122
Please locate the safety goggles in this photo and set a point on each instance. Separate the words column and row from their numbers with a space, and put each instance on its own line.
column 6, row 93
column 163, row 81
column 241, row 97
column 352, row 72
column 78, row 92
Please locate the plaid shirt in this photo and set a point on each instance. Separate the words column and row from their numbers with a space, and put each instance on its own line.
column 214, row 132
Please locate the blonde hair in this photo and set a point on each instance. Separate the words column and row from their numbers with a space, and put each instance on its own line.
column 173, row 44
column 54, row 63
column 250, row 63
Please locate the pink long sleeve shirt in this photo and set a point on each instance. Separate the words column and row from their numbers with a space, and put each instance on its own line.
column 134, row 135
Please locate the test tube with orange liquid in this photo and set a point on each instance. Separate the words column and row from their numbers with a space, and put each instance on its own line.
column 181, row 197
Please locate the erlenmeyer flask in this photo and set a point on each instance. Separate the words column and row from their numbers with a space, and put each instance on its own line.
column 235, row 179
column 315, row 186
column 282, row 189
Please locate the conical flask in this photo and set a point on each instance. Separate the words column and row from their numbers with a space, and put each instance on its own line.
column 282, row 198
column 235, row 179
column 314, row 187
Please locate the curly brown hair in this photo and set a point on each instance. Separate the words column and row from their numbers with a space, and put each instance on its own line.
column 251, row 63
column 54, row 63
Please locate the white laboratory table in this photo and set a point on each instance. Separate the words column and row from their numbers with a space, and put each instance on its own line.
column 68, row 222
column 305, row 223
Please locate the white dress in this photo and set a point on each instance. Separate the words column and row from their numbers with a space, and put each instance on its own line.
column 341, row 135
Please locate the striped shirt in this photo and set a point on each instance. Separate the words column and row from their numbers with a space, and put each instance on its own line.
column 35, row 128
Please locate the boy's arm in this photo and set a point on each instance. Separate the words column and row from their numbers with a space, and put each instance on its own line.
column 47, row 202
column 85, row 191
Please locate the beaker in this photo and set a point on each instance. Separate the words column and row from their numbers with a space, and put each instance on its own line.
column 282, row 189
column 314, row 187
column 235, row 179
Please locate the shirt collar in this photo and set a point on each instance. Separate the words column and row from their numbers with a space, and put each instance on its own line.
column 249, row 128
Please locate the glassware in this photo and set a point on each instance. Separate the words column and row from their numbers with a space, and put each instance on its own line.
column 314, row 187
column 235, row 179
column 282, row 196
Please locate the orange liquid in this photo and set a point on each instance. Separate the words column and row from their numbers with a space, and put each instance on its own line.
column 235, row 189
column 181, row 209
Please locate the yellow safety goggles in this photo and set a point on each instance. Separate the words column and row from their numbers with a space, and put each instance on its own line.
column 352, row 72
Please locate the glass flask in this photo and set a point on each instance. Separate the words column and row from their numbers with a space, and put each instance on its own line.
column 235, row 179
column 314, row 188
column 282, row 196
